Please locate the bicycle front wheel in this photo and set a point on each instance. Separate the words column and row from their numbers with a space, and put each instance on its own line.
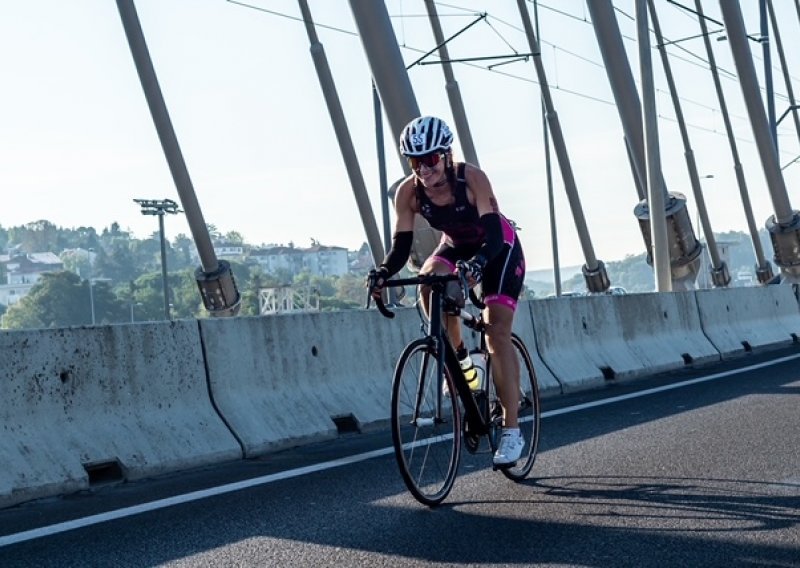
column 528, row 412
column 426, row 424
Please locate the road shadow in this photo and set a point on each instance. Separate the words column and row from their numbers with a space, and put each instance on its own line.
column 362, row 514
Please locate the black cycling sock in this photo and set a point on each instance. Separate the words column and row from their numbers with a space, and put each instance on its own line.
column 461, row 351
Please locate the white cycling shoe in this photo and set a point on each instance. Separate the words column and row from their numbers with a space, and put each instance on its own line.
column 509, row 449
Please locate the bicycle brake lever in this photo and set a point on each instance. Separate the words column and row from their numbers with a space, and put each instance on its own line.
column 383, row 309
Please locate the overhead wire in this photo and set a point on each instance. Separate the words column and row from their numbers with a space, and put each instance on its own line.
column 685, row 10
column 467, row 12
column 556, row 87
column 288, row 17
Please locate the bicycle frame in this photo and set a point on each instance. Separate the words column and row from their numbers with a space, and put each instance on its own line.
column 445, row 353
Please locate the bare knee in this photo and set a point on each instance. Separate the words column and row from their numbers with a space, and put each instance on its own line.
column 498, row 333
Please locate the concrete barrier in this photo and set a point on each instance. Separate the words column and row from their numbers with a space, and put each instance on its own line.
column 82, row 405
column 525, row 327
column 85, row 405
column 588, row 341
column 285, row 380
column 740, row 320
column 664, row 332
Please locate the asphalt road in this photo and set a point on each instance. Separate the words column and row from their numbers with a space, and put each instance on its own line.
column 707, row 474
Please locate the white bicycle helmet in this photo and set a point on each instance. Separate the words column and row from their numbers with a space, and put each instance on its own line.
column 425, row 135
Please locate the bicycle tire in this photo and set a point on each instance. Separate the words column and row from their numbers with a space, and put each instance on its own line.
column 529, row 412
column 428, row 449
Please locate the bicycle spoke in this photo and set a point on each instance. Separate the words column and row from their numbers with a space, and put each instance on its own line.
column 426, row 440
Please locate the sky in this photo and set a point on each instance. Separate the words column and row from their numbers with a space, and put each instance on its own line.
column 78, row 144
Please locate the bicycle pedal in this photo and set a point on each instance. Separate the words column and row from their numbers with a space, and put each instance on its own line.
column 472, row 444
column 496, row 467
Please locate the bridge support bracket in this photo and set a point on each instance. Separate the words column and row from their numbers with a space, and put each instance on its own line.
column 596, row 280
column 684, row 248
column 720, row 276
column 220, row 295
column 764, row 273
column 786, row 244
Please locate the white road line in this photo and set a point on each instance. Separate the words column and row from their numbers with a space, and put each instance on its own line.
column 672, row 386
column 57, row 528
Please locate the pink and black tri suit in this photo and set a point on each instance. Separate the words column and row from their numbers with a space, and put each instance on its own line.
column 463, row 235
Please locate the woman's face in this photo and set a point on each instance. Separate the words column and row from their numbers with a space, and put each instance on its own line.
column 430, row 168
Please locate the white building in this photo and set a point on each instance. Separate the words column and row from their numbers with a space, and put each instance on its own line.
column 23, row 271
column 325, row 261
column 10, row 294
column 318, row 260
column 229, row 250
column 24, row 268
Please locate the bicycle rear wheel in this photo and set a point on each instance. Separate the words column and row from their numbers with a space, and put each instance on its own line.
column 529, row 412
column 426, row 425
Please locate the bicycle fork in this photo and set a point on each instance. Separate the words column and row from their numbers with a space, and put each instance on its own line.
column 416, row 419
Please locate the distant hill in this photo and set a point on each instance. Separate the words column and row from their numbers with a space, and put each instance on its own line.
column 541, row 282
column 546, row 274
column 635, row 275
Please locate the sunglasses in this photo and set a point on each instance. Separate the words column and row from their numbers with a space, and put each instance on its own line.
column 429, row 160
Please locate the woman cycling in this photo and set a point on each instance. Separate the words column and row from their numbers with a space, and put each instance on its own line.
column 457, row 199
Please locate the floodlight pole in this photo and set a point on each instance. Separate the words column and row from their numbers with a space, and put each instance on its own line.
column 164, row 283
column 160, row 207
column 91, row 290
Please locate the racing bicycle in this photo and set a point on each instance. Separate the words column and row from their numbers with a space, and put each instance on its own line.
column 433, row 407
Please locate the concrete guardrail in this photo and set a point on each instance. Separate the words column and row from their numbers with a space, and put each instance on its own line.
column 81, row 406
column 587, row 341
column 288, row 379
column 741, row 320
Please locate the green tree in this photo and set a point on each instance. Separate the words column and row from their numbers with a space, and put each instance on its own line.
column 183, row 247
column 281, row 277
column 242, row 271
column 108, row 308
column 249, row 291
column 146, row 253
column 185, row 295
column 113, row 232
column 146, row 293
column 324, row 285
column 350, row 289
column 57, row 299
column 38, row 236
column 234, row 238
column 116, row 263
column 82, row 237
column 61, row 299
column 148, row 296
column 3, row 239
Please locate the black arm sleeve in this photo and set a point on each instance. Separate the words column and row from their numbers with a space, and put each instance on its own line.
column 398, row 255
column 493, row 241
